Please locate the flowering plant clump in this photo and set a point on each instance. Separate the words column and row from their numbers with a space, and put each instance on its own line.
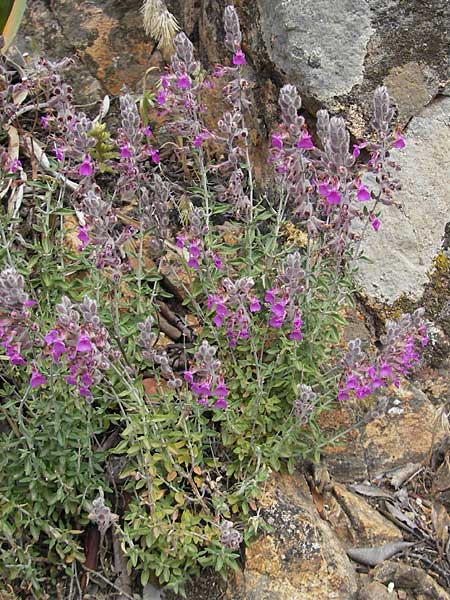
column 149, row 353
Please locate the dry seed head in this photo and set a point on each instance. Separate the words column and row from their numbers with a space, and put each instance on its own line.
column 160, row 23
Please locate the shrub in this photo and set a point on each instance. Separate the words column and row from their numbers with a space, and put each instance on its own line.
column 115, row 240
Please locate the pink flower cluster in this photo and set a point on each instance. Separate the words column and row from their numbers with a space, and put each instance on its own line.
column 205, row 378
column 82, row 341
column 197, row 252
column 401, row 345
column 282, row 309
column 16, row 329
column 234, row 307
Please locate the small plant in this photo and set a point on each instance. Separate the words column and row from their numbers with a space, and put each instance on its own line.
column 166, row 340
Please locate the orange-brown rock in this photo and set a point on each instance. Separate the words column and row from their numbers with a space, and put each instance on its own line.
column 356, row 523
column 300, row 558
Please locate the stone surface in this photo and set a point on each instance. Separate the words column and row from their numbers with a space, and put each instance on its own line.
column 301, row 558
column 401, row 252
column 357, row 523
column 411, row 579
column 316, row 44
column 401, row 429
column 106, row 39
column 338, row 52
column 374, row 590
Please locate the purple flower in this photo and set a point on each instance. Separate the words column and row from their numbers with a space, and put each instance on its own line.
column 15, row 165
column 86, row 380
column 59, row 348
column 343, row 395
column 188, row 376
column 221, row 309
column 243, row 334
column 221, row 390
column 71, row 380
column 200, row 139
column 58, row 153
column 164, row 82
column 385, row 370
column 194, row 249
column 324, row 189
column 86, row 167
column 270, row 296
column 193, row 262
column 37, row 379
column 147, row 131
column 356, row 151
column 83, row 344
column 84, row 391
column 334, row 197
column 305, row 141
column 125, row 152
column 255, row 305
column 204, row 389
column 217, row 262
column 211, row 301
column 184, row 82
column 375, row 222
column 220, row 403
column 154, row 155
column 83, row 236
column 51, row 336
column 399, row 141
column 29, row 303
column 277, row 141
column 352, row 382
column 161, row 98
column 180, row 239
column 278, row 309
column 239, row 58
column 44, row 122
column 296, row 334
column 16, row 359
column 276, row 322
column 363, row 194
column 218, row 321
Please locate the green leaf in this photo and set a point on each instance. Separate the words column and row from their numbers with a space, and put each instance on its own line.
column 11, row 13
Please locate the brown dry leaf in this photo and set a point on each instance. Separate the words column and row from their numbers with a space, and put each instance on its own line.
column 152, row 387
column 401, row 517
column 131, row 248
column 70, row 229
column 296, row 235
column 398, row 476
column 374, row 556
column 231, row 233
column 370, row 491
column 171, row 476
column 438, row 388
column 318, row 500
column 441, row 522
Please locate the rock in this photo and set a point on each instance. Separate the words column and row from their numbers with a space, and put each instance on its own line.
column 402, row 434
column 300, row 558
column 401, row 429
column 151, row 592
column 357, row 523
column 373, row 590
column 316, row 44
column 402, row 251
column 411, row 579
column 107, row 40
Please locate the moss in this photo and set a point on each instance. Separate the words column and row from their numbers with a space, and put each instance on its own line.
column 437, row 291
